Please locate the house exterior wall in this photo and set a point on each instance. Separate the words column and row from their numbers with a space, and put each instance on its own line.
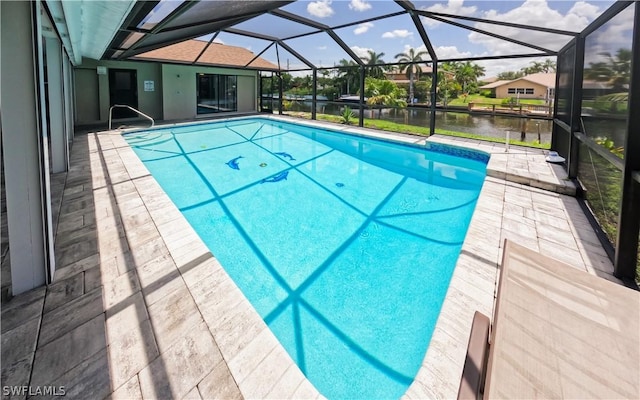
column 247, row 93
column 539, row 91
column 24, row 148
column 174, row 95
column 179, row 94
column 87, row 96
column 149, row 103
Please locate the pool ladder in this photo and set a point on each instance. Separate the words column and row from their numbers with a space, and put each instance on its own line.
column 132, row 109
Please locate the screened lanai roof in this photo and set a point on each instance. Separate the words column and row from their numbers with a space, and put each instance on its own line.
column 298, row 35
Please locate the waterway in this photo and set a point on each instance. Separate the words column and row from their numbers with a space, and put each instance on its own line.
column 536, row 129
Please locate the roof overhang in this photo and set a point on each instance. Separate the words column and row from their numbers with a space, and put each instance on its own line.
column 87, row 27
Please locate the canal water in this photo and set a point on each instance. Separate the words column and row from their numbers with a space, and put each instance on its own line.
column 486, row 125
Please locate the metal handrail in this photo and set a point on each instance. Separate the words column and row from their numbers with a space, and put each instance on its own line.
column 132, row 109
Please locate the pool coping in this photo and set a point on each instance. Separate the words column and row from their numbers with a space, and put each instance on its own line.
column 241, row 360
column 259, row 364
column 503, row 160
column 472, row 286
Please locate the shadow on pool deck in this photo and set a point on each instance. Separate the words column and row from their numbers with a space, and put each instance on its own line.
column 140, row 309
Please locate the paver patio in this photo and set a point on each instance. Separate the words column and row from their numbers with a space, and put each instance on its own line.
column 141, row 309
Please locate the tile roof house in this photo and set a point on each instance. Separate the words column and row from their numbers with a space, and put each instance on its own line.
column 401, row 77
column 495, row 84
column 216, row 54
column 534, row 86
column 488, row 80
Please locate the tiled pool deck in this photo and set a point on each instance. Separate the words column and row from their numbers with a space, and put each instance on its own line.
column 141, row 309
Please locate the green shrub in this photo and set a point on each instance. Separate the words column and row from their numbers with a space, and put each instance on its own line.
column 347, row 115
column 508, row 101
column 615, row 103
column 610, row 145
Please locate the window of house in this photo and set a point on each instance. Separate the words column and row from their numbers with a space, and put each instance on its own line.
column 216, row 93
column 520, row 90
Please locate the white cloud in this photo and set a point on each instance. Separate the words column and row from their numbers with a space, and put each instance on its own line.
column 443, row 52
column 416, row 50
column 493, row 67
column 448, row 52
column 218, row 40
column 535, row 13
column 321, row 47
column 584, row 9
column 361, row 51
column 455, row 7
column 359, row 5
column 362, row 28
column 320, row 8
column 614, row 35
column 397, row 33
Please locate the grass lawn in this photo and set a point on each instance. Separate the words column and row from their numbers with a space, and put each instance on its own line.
column 415, row 130
column 477, row 98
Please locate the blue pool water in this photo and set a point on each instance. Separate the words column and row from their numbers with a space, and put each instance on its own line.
column 344, row 245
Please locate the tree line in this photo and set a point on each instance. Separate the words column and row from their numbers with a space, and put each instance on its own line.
column 546, row 66
column 455, row 78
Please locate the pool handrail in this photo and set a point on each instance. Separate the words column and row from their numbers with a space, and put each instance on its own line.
column 132, row 109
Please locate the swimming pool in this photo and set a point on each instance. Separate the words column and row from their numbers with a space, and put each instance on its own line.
column 345, row 245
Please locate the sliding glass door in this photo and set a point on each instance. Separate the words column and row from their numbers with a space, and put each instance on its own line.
column 216, row 93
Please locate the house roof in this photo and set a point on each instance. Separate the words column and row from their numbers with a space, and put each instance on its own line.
column 424, row 69
column 545, row 79
column 542, row 78
column 494, row 85
column 488, row 80
column 401, row 77
column 215, row 54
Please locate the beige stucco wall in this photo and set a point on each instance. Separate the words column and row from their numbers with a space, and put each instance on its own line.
column 179, row 94
column 247, row 93
column 174, row 96
column 87, row 96
column 149, row 103
column 539, row 91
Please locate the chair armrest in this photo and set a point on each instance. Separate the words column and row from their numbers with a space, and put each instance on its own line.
column 475, row 363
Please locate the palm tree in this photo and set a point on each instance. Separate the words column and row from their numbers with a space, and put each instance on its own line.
column 616, row 70
column 549, row 66
column 348, row 73
column 448, row 88
column 545, row 66
column 510, row 75
column 467, row 75
column 384, row 92
column 374, row 60
column 478, row 70
column 412, row 69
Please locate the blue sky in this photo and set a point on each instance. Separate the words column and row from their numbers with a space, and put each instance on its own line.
column 396, row 34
